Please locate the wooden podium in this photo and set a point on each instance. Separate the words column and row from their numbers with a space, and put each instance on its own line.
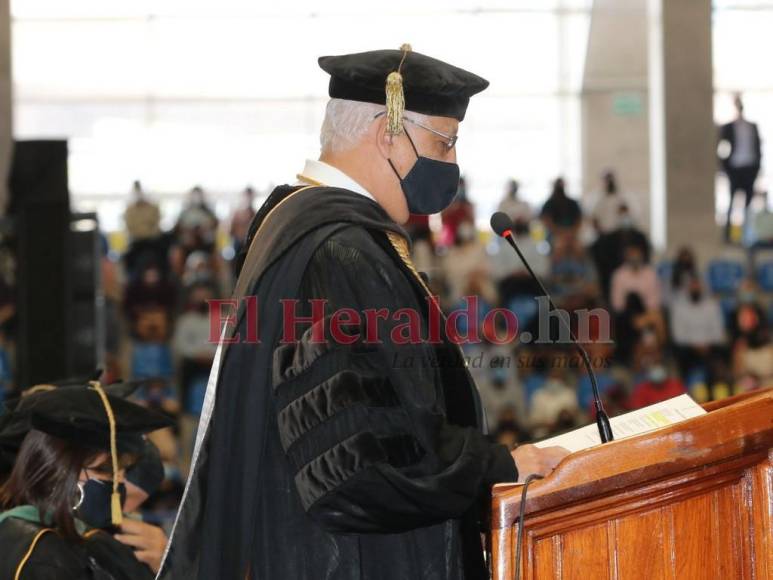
column 689, row 501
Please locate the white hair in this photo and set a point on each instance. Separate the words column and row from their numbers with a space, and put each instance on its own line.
column 347, row 121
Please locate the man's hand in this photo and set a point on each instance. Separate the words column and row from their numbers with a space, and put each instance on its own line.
column 148, row 541
column 531, row 459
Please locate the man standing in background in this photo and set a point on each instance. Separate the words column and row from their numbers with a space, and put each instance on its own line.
column 744, row 156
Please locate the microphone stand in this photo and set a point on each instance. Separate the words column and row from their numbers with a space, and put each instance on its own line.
column 602, row 420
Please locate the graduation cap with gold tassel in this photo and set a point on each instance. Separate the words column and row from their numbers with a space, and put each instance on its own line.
column 414, row 82
column 88, row 415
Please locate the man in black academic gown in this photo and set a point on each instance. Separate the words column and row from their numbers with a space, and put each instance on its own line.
column 342, row 446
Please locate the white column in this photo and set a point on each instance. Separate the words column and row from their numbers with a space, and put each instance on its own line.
column 615, row 116
column 682, row 132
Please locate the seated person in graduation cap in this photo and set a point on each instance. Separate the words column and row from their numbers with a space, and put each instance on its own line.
column 14, row 421
column 66, row 487
column 348, row 457
column 142, row 479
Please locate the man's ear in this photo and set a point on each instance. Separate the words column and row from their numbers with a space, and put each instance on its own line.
column 384, row 140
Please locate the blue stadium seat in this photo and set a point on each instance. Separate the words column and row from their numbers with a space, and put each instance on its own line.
column 724, row 276
column 695, row 376
column 765, row 276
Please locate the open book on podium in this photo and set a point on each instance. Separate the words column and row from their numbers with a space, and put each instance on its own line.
column 684, row 492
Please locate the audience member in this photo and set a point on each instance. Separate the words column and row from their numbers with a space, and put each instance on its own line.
column 514, row 206
column 684, row 271
column 635, row 276
column 496, row 378
column 195, row 350
column 606, row 214
column 151, row 291
column 561, row 214
column 142, row 217
column 554, row 406
column 460, row 211
column 607, row 249
column 200, row 268
column 573, row 280
column 195, row 230
column 635, row 301
column 697, row 329
column 750, row 311
column 466, row 258
column 147, row 243
column 509, row 431
column 658, row 385
column 752, row 349
column 423, row 249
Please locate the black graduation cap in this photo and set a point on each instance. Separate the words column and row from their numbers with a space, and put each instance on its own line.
column 88, row 416
column 80, row 415
column 402, row 79
column 15, row 420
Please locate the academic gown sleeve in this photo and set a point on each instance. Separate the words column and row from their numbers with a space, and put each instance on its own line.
column 363, row 425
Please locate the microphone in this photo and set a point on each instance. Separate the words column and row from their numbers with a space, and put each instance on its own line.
column 503, row 226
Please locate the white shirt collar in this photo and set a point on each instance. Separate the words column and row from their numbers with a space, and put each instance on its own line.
column 330, row 176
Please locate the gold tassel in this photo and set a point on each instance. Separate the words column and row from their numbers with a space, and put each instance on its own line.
column 395, row 96
column 395, row 103
column 116, row 510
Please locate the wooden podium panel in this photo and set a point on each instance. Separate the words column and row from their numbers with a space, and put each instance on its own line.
column 690, row 501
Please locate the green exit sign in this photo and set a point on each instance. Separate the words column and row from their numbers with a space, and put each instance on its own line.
column 627, row 104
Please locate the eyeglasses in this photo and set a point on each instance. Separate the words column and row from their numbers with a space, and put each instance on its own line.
column 450, row 140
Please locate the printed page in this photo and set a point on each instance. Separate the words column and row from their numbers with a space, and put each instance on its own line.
column 633, row 423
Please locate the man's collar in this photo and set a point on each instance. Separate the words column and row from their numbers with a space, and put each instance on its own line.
column 318, row 172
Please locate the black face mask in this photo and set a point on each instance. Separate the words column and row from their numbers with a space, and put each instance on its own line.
column 94, row 507
column 430, row 185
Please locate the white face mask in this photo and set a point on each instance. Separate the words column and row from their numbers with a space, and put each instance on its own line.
column 466, row 232
column 657, row 374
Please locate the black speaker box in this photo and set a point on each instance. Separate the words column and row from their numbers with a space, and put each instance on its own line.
column 41, row 210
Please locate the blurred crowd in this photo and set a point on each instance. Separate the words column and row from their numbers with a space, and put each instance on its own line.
column 654, row 328
column 659, row 327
